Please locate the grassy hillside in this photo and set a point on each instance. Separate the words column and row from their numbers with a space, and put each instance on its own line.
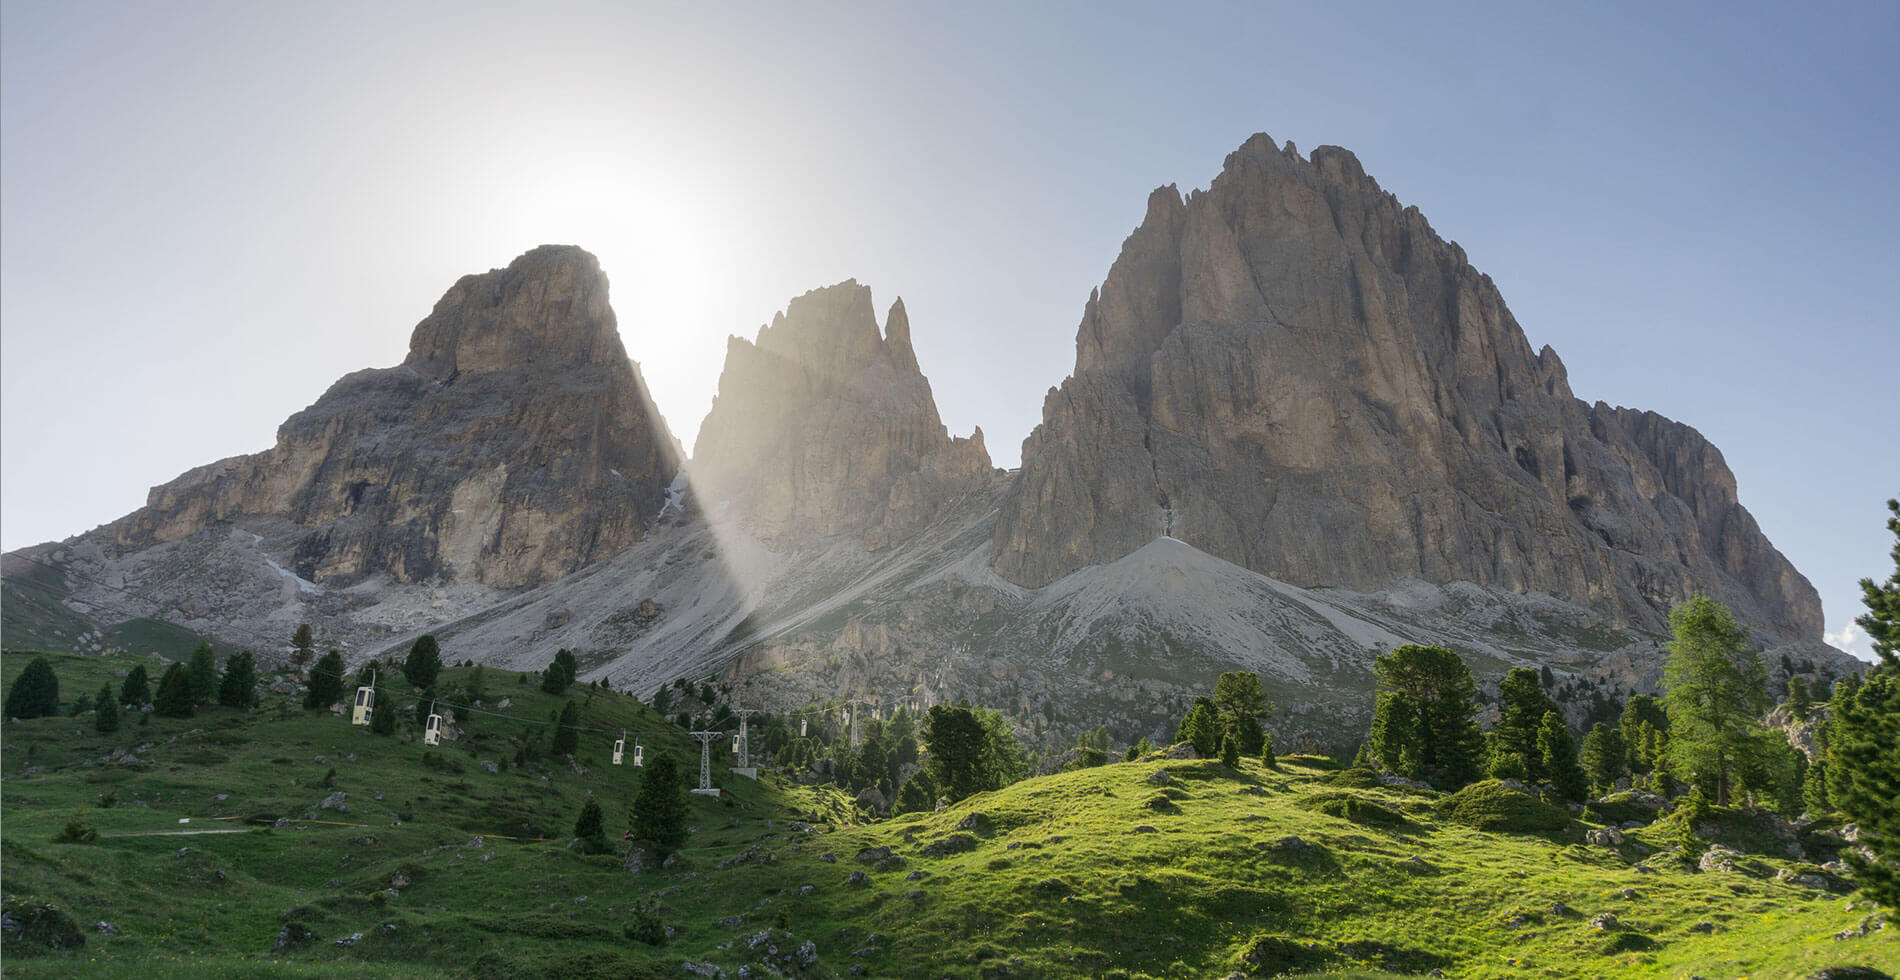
column 438, row 867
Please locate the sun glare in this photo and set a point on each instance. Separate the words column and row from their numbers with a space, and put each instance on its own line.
column 666, row 251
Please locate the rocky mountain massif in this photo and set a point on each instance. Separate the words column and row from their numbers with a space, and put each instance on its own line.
column 1301, row 429
column 1292, row 372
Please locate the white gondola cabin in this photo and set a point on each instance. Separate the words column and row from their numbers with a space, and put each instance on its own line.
column 365, row 706
column 432, row 735
column 620, row 749
column 639, row 754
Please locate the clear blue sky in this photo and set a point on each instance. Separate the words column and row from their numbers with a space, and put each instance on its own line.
column 210, row 211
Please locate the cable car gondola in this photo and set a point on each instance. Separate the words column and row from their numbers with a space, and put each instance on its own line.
column 639, row 754
column 433, row 734
column 365, row 706
column 620, row 748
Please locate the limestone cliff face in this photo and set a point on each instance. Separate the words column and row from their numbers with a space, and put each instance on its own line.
column 1292, row 372
column 822, row 426
column 515, row 443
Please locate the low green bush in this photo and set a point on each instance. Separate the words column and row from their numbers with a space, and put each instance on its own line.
column 1491, row 806
column 1350, row 806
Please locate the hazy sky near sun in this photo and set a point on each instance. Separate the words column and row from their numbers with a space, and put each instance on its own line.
column 211, row 211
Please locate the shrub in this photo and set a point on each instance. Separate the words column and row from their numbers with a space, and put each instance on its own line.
column 77, row 832
column 1350, row 806
column 1491, row 806
column 106, row 711
column 646, row 926
column 1357, row 777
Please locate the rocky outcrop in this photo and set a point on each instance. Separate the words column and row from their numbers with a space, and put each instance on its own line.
column 822, row 426
column 1294, row 373
column 515, row 443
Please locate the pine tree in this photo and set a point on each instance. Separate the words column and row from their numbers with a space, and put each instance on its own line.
column 1137, row 750
column 424, row 663
column 916, row 795
column 174, row 693
column 136, row 692
column 1424, row 723
column 1798, row 704
column 204, row 675
column 590, row 828
column 382, row 716
column 953, row 740
column 1557, row 757
column 1814, row 789
column 1714, row 693
column 1230, row 751
column 660, row 808
column 35, row 693
column 1201, row 726
column 1882, row 621
column 1241, row 706
column 238, row 689
column 567, row 736
column 303, row 646
column 1602, row 756
column 326, row 682
column 105, row 711
column 1863, row 764
column 1644, row 726
column 1522, row 706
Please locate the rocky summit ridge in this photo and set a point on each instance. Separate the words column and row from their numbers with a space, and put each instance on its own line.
column 1301, row 429
column 514, row 444
column 822, row 426
column 1295, row 373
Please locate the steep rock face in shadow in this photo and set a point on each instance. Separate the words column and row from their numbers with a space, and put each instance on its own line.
column 822, row 426
column 1294, row 373
column 516, row 443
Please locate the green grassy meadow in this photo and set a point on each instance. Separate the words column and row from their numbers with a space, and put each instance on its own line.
column 441, row 868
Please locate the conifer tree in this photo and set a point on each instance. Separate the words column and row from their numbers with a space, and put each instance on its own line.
column 105, row 711
column 35, row 693
column 424, row 663
column 1645, row 732
column 567, row 736
column 1814, row 789
column 303, row 646
column 1230, row 751
column 1714, row 694
column 1557, row 757
column 1138, row 749
column 916, row 795
column 203, row 673
column 1862, row 759
column 1798, row 704
column 953, row 740
column 326, row 682
column 174, row 698
column 1241, row 706
column 589, row 827
column 1201, row 727
column 137, row 689
column 1423, row 723
column 238, row 688
column 1602, row 756
column 1521, row 709
column 382, row 716
column 660, row 808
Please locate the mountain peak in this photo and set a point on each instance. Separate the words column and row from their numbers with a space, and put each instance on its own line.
column 1294, row 373
column 548, row 306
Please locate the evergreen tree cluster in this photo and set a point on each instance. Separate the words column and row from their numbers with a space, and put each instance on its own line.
column 35, row 693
